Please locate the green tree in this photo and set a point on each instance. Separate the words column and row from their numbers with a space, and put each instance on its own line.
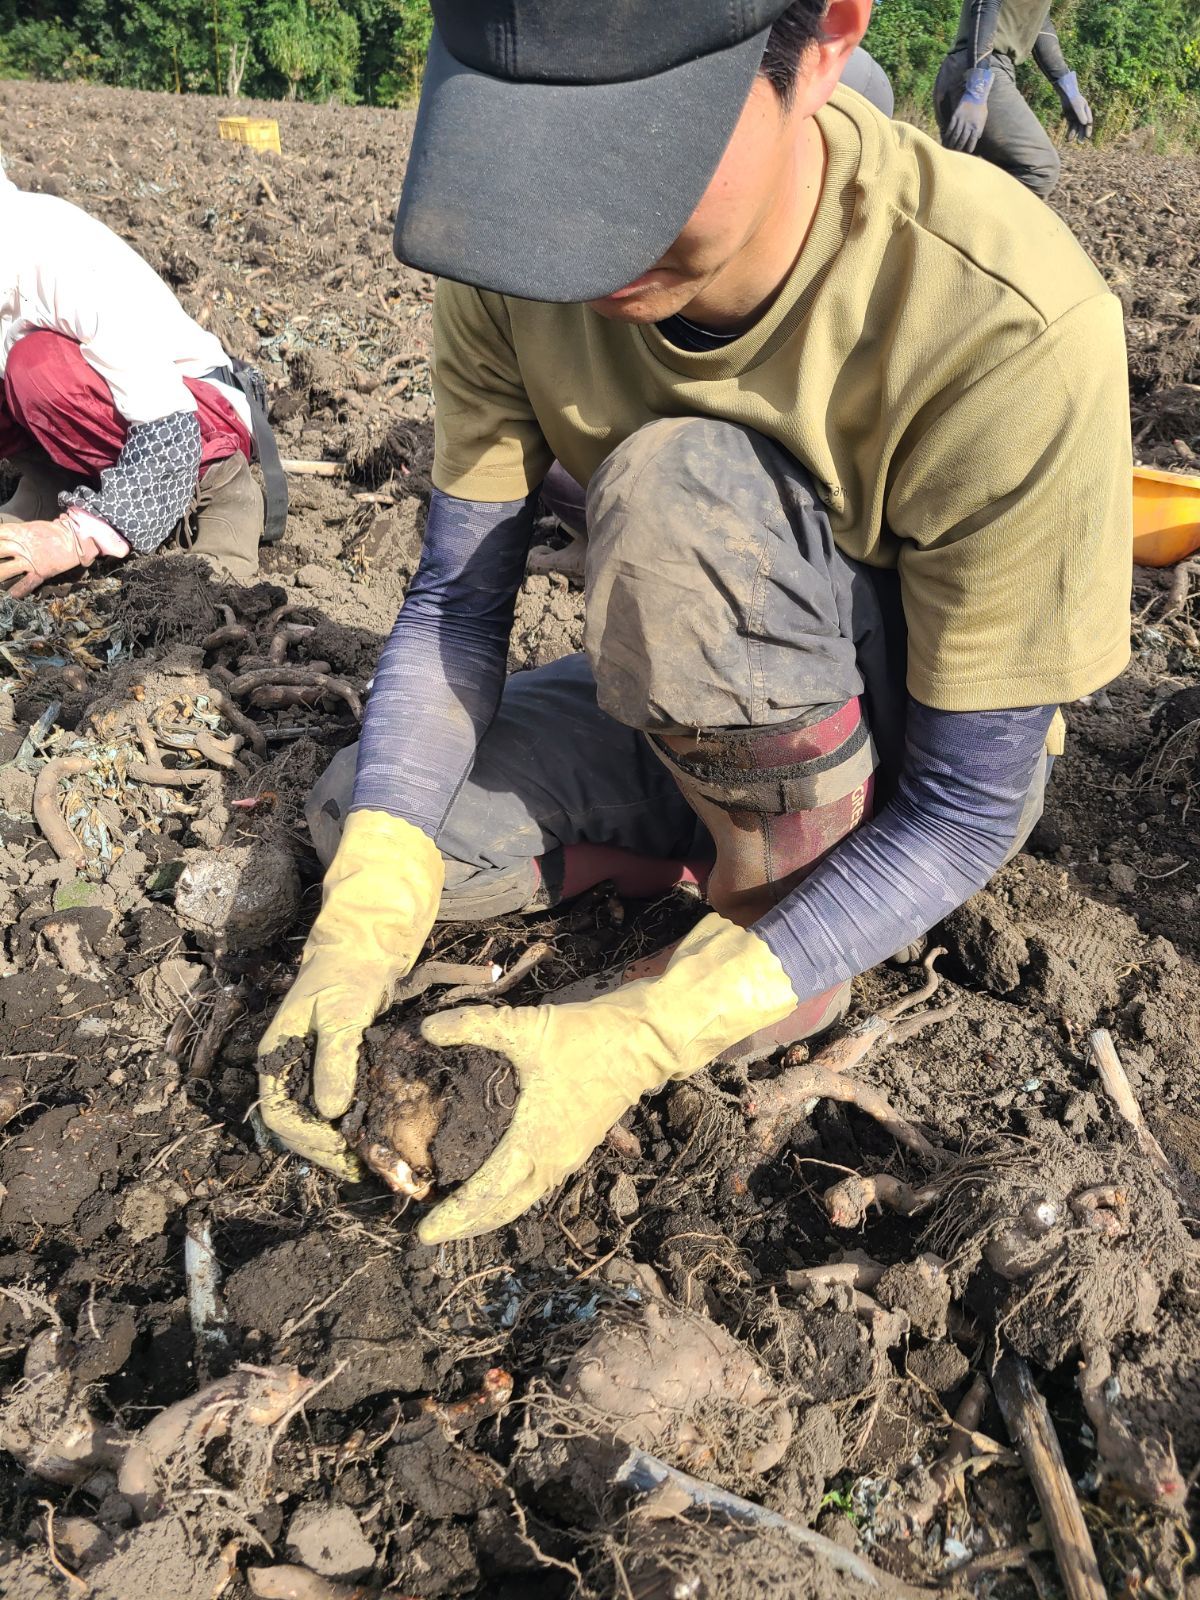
column 291, row 47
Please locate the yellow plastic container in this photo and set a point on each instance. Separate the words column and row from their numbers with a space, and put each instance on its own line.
column 1166, row 516
column 260, row 133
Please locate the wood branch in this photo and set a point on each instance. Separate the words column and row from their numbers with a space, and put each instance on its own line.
column 645, row 1473
column 1120, row 1091
column 1029, row 1425
column 314, row 469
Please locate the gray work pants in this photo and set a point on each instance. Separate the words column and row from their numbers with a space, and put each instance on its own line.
column 715, row 599
column 1012, row 136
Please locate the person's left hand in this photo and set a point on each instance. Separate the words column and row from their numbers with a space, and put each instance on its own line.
column 581, row 1065
column 32, row 552
column 1075, row 108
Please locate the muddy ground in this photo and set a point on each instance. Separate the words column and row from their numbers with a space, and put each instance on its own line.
column 442, row 1423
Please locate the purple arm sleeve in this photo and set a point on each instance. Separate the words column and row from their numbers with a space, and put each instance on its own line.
column 441, row 673
column 952, row 822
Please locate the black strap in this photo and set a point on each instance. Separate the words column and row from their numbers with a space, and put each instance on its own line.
column 242, row 375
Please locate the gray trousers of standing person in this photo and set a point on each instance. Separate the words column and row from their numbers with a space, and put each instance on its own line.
column 1012, row 136
column 715, row 598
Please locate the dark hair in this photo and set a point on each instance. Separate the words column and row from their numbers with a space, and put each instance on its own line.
column 790, row 37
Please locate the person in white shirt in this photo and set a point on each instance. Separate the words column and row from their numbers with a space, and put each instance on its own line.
column 125, row 420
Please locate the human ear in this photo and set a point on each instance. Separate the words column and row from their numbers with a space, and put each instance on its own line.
column 842, row 27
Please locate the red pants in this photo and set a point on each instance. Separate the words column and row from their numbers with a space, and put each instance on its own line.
column 49, row 396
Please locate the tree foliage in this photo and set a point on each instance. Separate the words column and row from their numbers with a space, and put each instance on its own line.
column 1138, row 60
column 347, row 50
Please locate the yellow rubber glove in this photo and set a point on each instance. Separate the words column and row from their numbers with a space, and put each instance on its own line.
column 581, row 1066
column 378, row 904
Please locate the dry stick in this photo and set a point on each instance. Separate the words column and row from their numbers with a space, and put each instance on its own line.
column 45, row 808
column 1178, row 594
column 521, row 968
column 424, row 976
column 1119, row 1090
column 1028, row 1422
column 314, row 469
column 645, row 1473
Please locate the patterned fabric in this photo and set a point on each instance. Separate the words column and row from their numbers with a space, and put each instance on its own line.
column 147, row 490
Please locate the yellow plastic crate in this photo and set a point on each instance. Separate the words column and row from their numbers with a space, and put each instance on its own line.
column 260, row 133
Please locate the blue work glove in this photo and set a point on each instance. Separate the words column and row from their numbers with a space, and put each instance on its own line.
column 1075, row 108
column 965, row 126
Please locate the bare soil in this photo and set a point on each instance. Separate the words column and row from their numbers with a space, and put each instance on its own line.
column 456, row 1419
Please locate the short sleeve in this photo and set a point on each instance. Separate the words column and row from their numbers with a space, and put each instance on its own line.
column 1014, row 510
column 488, row 444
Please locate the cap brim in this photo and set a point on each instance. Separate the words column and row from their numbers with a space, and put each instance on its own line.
column 562, row 192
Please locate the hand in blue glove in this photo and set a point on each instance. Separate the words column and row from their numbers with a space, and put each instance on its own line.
column 965, row 126
column 1075, row 108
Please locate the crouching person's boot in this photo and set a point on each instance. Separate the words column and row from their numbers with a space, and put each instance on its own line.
column 776, row 801
column 39, row 483
column 226, row 521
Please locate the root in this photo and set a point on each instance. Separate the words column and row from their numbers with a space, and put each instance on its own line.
column 228, row 1006
column 291, row 633
column 169, row 777
column 301, row 1583
column 645, row 1474
column 47, row 815
column 963, row 1447
column 847, row 1203
column 47, row 1427
column 778, row 1103
column 1142, row 1469
column 220, row 752
column 239, row 722
column 458, row 1415
column 260, row 1395
column 775, row 1106
column 247, row 683
column 234, row 633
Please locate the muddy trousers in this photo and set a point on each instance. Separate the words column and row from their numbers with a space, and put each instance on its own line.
column 58, row 417
column 1012, row 136
column 715, row 600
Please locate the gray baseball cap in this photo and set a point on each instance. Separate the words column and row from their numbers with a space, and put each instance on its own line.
column 561, row 145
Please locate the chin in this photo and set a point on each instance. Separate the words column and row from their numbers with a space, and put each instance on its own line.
column 646, row 303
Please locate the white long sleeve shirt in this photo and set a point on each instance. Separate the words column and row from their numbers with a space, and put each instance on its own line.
column 63, row 270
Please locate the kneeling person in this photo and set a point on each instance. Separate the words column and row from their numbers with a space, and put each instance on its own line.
column 124, row 419
column 854, row 427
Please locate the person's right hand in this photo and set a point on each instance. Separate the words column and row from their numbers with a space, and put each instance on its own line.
column 379, row 902
column 970, row 115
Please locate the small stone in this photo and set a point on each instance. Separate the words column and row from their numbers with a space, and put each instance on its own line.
column 1122, row 877
column 939, row 1365
column 143, row 1212
column 331, row 1542
column 623, row 1197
